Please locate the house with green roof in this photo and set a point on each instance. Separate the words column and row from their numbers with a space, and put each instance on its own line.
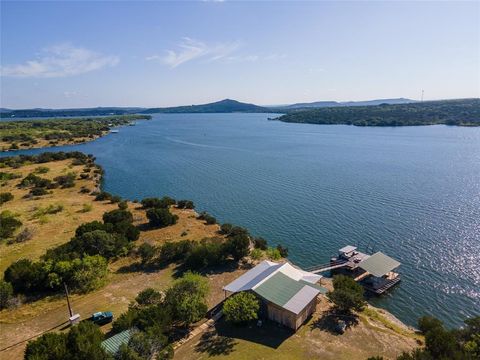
column 288, row 293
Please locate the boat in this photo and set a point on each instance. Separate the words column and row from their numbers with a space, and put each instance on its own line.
column 114, row 131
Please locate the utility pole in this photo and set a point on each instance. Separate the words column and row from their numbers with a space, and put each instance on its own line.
column 68, row 300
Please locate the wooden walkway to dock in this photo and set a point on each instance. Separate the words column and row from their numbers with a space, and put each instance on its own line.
column 328, row 266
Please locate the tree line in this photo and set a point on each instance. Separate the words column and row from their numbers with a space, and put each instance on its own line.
column 465, row 112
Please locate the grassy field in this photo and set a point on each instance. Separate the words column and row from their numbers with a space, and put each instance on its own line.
column 52, row 230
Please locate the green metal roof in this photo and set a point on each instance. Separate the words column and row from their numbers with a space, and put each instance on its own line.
column 379, row 264
column 280, row 288
column 112, row 344
column 316, row 286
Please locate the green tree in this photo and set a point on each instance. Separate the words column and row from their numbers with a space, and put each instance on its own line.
column 50, row 346
column 89, row 273
column 146, row 252
column 187, row 298
column 6, row 293
column 148, row 296
column 238, row 246
column 117, row 216
column 25, row 276
column 427, row 323
column 347, row 294
column 159, row 217
column 241, row 308
column 84, row 342
column 125, row 352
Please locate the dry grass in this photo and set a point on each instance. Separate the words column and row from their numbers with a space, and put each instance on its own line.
column 42, row 143
column 33, row 318
column 49, row 230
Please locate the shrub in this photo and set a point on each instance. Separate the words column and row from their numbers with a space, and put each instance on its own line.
column 117, row 216
column 260, row 243
column 84, row 190
column 427, row 323
column 159, row 217
column 65, row 181
column 86, row 208
column 123, row 205
column 273, row 254
column 8, row 224
column 225, row 229
column 241, row 308
column 38, row 191
column 175, row 251
column 256, row 254
column 103, row 196
column 146, row 252
column 185, row 204
column 209, row 219
column 6, row 293
column 282, row 250
column 41, row 170
column 347, row 294
column 5, row 196
column 163, row 203
column 115, row 199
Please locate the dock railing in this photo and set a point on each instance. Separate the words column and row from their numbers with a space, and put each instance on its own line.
column 333, row 264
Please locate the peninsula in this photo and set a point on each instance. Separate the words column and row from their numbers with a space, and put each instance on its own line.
column 29, row 134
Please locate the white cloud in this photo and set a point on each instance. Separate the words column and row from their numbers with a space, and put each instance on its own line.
column 190, row 49
column 60, row 61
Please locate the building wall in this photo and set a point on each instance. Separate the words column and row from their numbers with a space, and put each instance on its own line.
column 288, row 318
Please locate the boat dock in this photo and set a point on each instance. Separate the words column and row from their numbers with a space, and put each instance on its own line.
column 374, row 272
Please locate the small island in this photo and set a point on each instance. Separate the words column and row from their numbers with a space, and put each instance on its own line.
column 49, row 132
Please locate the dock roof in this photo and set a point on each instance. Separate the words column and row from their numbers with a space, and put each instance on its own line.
column 379, row 264
column 347, row 249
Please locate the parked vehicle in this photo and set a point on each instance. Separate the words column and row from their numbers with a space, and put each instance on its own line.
column 102, row 318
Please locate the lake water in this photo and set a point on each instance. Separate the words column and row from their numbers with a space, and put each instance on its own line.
column 411, row 192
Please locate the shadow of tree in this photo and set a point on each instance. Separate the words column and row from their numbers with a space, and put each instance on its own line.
column 330, row 319
column 214, row 344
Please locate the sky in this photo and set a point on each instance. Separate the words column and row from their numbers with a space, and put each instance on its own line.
column 96, row 53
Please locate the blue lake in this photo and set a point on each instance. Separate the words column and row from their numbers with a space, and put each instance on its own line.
column 410, row 192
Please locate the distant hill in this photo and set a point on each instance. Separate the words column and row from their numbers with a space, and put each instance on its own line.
column 98, row 111
column 321, row 104
column 462, row 112
column 223, row 106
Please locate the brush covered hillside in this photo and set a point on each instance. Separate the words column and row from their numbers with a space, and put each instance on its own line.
column 223, row 106
column 322, row 104
column 463, row 112
column 98, row 111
